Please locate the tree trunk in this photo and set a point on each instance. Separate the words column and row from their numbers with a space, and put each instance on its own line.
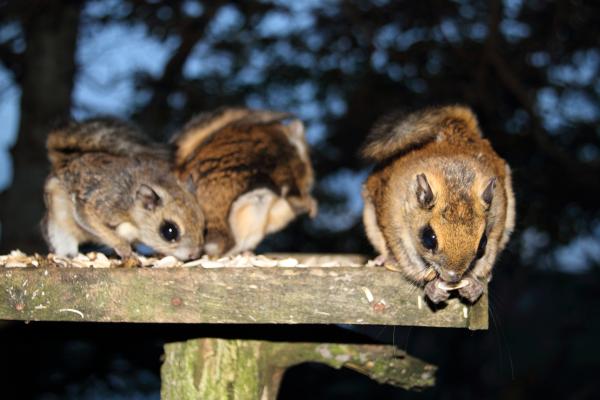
column 249, row 369
column 46, row 86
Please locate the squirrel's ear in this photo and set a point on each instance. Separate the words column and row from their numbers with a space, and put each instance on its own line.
column 148, row 197
column 488, row 193
column 424, row 192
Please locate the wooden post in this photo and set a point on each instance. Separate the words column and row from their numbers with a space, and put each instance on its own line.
column 249, row 369
column 312, row 289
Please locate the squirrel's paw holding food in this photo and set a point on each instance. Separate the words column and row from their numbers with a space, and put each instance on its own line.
column 473, row 291
column 435, row 293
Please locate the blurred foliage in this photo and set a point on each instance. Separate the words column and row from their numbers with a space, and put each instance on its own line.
column 530, row 70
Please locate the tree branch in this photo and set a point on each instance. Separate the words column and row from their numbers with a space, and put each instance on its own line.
column 250, row 369
column 192, row 31
column 582, row 170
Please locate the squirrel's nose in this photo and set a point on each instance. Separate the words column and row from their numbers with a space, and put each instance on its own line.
column 449, row 276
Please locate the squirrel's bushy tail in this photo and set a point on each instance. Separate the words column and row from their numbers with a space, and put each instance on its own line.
column 106, row 135
column 396, row 134
column 205, row 124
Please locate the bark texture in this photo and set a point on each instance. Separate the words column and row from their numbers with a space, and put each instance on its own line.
column 248, row 369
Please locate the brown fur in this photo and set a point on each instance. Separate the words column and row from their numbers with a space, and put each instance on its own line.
column 108, row 135
column 252, row 174
column 98, row 192
column 395, row 134
column 447, row 148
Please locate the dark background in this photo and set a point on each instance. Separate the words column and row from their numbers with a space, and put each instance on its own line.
column 530, row 70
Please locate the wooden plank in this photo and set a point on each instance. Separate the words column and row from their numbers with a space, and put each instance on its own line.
column 321, row 295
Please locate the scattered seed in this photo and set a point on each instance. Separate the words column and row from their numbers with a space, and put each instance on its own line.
column 330, row 264
column 195, row 263
column 379, row 306
column 368, row 294
column 72, row 310
column 211, row 264
column 262, row 261
column 287, row 262
column 166, row 262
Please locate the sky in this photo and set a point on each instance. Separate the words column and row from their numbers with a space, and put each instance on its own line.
column 9, row 115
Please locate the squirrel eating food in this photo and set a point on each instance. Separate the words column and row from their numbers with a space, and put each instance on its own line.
column 111, row 185
column 439, row 203
column 252, row 174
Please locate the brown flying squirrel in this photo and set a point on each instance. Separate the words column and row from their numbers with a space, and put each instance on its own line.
column 110, row 185
column 439, row 202
column 252, row 174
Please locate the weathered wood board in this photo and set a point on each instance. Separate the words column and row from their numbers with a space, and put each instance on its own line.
column 278, row 295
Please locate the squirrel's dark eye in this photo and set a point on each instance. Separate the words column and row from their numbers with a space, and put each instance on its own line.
column 169, row 231
column 428, row 238
column 481, row 248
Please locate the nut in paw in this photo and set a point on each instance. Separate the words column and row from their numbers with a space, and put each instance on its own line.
column 472, row 291
column 436, row 294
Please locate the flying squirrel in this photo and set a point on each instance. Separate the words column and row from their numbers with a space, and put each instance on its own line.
column 252, row 174
column 439, row 203
column 111, row 185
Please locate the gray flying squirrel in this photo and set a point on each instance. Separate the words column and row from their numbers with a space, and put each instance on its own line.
column 439, row 202
column 111, row 185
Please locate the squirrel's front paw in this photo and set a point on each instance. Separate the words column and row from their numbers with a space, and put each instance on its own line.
column 472, row 291
column 380, row 260
column 388, row 262
column 435, row 293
